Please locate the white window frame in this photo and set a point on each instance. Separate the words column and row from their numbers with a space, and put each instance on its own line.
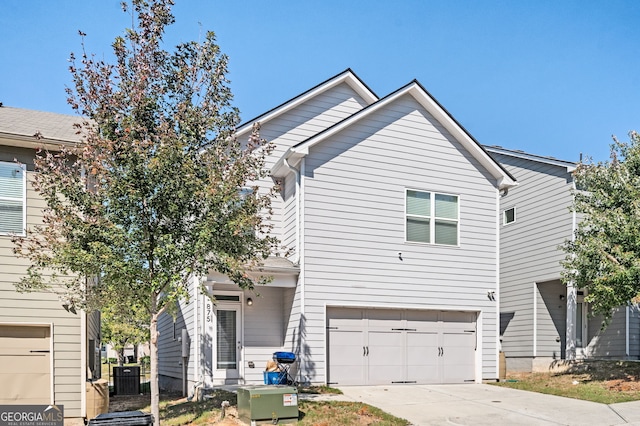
column 432, row 218
column 22, row 199
column 504, row 216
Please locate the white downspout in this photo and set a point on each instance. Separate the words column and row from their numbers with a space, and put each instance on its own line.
column 297, row 173
column 498, row 294
column 535, row 320
column 300, row 200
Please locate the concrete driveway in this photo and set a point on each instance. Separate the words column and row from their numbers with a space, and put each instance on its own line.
column 480, row 404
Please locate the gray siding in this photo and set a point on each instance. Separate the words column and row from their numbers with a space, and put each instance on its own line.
column 551, row 318
column 42, row 308
column 634, row 332
column 354, row 196
column 529, row 251
column 611, row 341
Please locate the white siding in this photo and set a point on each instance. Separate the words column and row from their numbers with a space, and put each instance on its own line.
column 170, row 342
column 42, row 308
column 293, row 127
column 354, row 189
column 264, row 330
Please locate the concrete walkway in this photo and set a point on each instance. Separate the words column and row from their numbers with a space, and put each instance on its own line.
column 480, row 404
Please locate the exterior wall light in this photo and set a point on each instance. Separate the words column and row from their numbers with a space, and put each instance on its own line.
column 249, row 301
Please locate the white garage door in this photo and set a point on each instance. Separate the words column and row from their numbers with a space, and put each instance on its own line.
column 25, row 364
column 385, row 346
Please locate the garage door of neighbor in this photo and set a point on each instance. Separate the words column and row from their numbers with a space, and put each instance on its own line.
column 385, row 346
column 25, row 364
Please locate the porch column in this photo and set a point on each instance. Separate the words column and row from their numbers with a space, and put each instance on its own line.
column 572, row 300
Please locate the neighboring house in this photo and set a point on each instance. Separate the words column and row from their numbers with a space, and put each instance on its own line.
column 542, row 320
column 47, row 352
column 390, row 210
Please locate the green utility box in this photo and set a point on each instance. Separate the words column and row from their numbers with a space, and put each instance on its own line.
column 268, row 404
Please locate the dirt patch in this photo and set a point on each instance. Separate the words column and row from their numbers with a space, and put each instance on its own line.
column 623, row 385
column 118, row 403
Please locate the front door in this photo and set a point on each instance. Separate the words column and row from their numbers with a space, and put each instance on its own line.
column 228, row 342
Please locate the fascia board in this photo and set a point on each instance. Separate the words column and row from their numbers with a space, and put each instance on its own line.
column 345, row 77
column 23, row 141
column 568, row 165
column 415, row 89
column 461, row 135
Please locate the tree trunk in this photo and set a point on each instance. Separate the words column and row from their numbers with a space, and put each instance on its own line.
column 153, row 349
column 121, row 356
column 135, row 352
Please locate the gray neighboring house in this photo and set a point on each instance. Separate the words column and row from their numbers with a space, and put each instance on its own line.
column 47, row 353
column 389, row 209
column 543, row 321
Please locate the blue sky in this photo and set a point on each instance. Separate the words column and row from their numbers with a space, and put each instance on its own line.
column 554, row 78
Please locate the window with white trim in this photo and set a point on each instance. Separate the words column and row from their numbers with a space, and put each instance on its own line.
column 431, row 218
column 13, row 194
column 509, row 216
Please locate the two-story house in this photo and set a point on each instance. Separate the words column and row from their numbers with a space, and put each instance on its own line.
column 543, row 321
column 48, row 353
column 390, row 211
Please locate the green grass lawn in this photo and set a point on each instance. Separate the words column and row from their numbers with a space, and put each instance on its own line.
column 176, row 410
column 607, row 382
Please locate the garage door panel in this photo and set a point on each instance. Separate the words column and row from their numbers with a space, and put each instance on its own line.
column 422, row 357
column 10, row 364
column 25, row 365
column 345, row 318
column 346, row 350
column 384, row 346
column 458, row 357
column 384, row 319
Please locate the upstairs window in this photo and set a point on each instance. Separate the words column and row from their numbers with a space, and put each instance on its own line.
column 509, row 216
column 13, row 192
column 432, row 218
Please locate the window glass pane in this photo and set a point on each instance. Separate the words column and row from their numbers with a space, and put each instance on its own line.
column 418, row 230
column 11, row 180
column 11, row 217
column 419, row 203
column 226, row 298
column 509, row 215
column 579, row 336
column 447, row 206
column 226, row 340
column 446, row 232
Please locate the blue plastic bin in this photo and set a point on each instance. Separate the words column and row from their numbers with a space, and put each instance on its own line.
column 275, row 378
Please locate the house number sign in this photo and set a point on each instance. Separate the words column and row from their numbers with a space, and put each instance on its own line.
column 208, row 313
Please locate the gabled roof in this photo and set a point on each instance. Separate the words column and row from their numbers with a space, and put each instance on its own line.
column 347, row 76
column 19, row 127
column 570, row 166
column 422, row 96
